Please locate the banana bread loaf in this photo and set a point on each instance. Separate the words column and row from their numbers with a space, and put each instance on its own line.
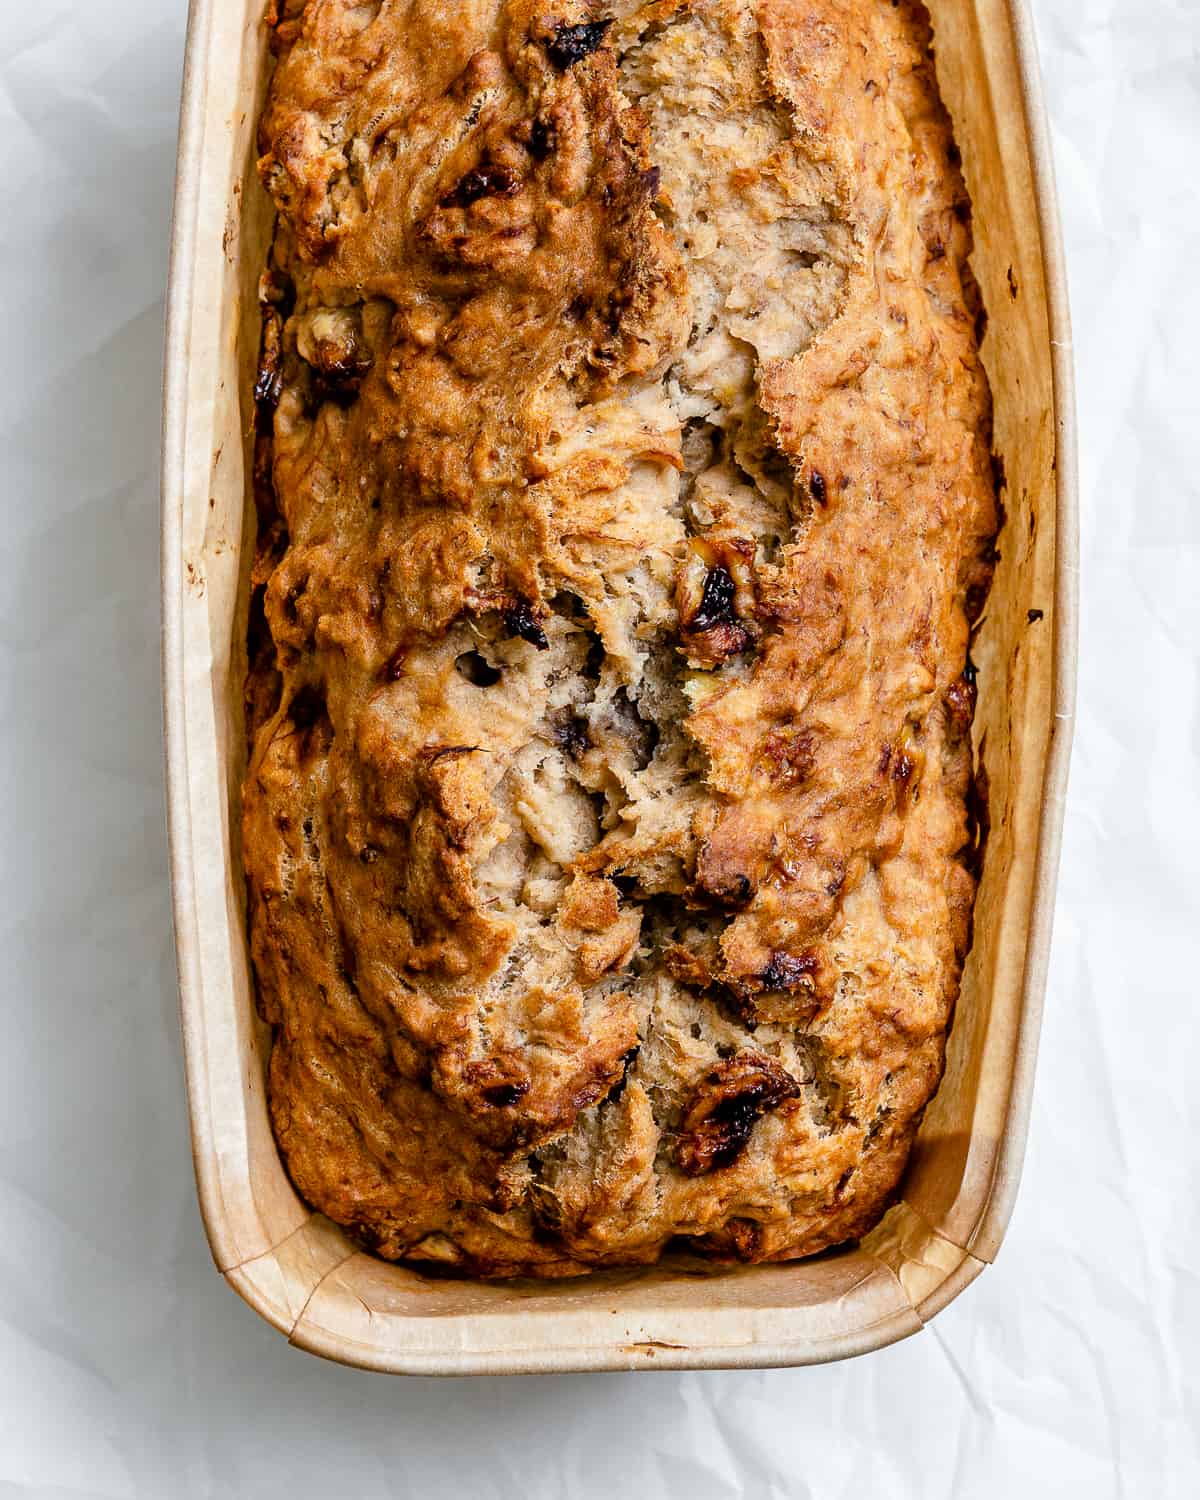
column 625, row 500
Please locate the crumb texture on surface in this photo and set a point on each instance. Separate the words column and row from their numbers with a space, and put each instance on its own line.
column 625, row 500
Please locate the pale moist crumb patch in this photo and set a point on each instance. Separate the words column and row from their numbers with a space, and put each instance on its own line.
column 624, row 501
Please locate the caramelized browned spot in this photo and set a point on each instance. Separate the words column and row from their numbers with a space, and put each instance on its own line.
column 572, row 43
column 520, row 620
column 790, row 755
column 489, row 181
column 960, row 706
column 268, row 385
column 724, row 1110
column 787, row 971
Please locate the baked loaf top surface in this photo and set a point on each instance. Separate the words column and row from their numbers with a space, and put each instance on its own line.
column 625, row 495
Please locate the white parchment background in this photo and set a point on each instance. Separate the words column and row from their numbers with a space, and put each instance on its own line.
column 1072, row 1368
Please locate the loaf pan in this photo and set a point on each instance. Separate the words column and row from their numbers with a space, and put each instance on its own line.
column 293, row 1266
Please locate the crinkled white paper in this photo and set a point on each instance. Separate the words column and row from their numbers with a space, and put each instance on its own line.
column 1070, row 1369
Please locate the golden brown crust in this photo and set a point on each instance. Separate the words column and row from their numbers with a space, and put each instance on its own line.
column 623, row 476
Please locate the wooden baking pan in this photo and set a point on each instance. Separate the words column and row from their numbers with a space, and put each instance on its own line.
column 296, row 1268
